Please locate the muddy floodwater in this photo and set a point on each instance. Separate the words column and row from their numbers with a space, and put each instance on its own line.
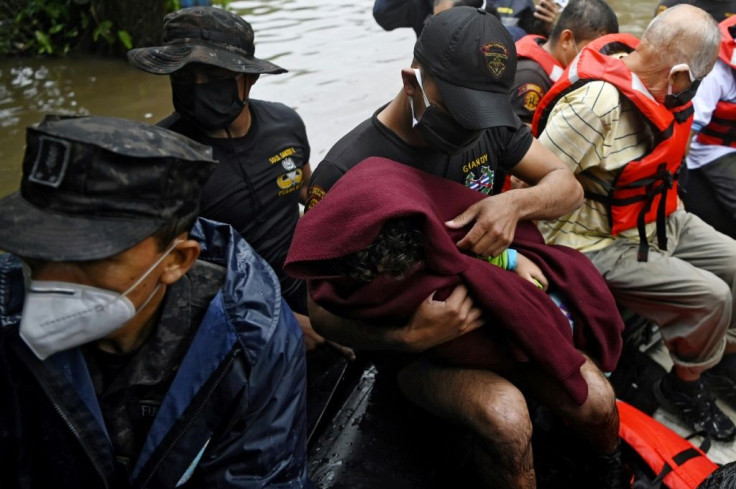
column 342, row 66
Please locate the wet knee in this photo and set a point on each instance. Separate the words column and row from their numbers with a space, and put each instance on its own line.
column 600, row 406
column 503, row 419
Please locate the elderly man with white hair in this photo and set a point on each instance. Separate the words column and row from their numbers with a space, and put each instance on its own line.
column 621, row 123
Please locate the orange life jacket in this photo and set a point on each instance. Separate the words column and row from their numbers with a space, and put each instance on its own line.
column 721, row 129
column 677, row 463
column 529, row 47
column 646, row 189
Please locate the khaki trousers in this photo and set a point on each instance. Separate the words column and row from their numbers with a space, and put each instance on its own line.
column 687, row 290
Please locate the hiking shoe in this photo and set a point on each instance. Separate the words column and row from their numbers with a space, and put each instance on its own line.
column 608, row 472
column 723, row 478
column 722, row 385
column 698, row 410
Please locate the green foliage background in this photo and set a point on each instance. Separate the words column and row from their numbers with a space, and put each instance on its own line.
column 58, row 27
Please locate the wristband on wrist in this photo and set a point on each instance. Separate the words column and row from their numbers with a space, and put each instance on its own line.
column 511, row 256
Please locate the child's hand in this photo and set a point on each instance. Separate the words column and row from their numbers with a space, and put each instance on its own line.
column 528, row 270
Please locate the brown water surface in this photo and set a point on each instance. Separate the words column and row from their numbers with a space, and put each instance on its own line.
column 342, row 66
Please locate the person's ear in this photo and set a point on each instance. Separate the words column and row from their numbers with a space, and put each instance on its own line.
column 409, row 80
column 181, row 259
column 566, row 39
column 681, row 73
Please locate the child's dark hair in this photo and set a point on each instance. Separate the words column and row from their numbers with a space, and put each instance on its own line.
column 394, row 252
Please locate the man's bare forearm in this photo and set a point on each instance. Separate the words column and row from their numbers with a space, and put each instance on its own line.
column 433, row 323
column 353, row 333
column 556, row 194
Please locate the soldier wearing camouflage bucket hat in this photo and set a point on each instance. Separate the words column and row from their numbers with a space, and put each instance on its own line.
column 126, row 337
column 209, row 54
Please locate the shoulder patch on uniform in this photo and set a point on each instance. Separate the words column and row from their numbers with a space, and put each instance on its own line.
column 316, row 193
column 531, row 94
column 51, row 161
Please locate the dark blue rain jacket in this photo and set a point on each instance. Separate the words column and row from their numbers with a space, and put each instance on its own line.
column 233, row 417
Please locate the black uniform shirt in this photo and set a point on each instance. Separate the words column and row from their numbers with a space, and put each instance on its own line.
column 481, row 166
column 255, row 188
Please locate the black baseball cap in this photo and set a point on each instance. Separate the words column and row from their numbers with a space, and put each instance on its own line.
column 206, row 35
column 472, row 59
column 95, row 186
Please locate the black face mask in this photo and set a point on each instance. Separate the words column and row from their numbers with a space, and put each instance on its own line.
column 674, row 100
column 438, row 128
column 212, row 105
column 442, row 132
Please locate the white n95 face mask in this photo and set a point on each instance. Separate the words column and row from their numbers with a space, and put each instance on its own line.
column 62, row 315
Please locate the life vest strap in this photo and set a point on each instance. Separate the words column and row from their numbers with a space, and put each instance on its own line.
column 658, row 184
column 679, row 459
column 684, row 114
column 727, row 138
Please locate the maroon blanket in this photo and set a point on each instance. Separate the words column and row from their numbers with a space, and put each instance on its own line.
column 352, row 214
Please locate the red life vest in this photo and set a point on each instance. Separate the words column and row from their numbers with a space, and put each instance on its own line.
column 721, row 129
column 529, row 47
column 646, row 189
column 677, row 463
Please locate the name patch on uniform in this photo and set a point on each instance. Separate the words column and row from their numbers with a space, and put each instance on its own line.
column 276, row 158
column 51, row 161
column 475, row 163
column 142, row 409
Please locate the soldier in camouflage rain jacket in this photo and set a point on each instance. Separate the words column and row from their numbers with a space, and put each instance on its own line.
column 214, row 396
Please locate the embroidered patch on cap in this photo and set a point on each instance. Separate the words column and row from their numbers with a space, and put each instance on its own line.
column 51, row 161
column 496, row 57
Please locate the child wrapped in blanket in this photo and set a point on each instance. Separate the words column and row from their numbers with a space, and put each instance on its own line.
column 398, row 249
column 523, row 323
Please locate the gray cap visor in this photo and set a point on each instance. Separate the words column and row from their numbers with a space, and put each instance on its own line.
column 164, row 60
column 30, row 232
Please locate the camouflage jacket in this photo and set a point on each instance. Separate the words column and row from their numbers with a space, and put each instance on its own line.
column 233, row 416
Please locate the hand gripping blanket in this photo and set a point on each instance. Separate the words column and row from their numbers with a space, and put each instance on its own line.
column 532, row 327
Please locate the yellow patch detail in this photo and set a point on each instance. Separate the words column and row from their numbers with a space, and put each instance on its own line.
column 475, row 163
column 289, row 180
column 282, row 155
column 316, row 193
column 531, row 94
column 288, row 191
